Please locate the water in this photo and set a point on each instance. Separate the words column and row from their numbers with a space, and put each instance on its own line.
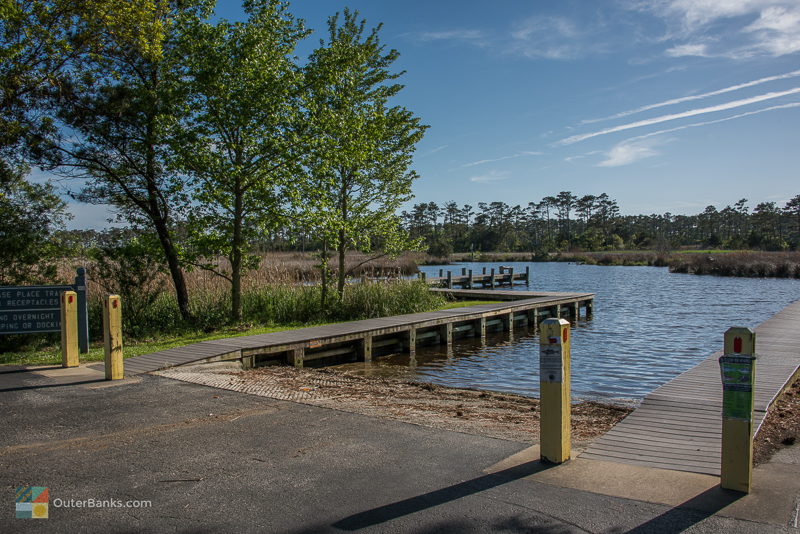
column 649, row 325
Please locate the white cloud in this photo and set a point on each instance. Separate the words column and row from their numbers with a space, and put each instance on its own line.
column 630, row 151
column 547, row 37
column 725, row 119
column 681, row 100
column 699, row 50
column 731, row 28
column 435, row 150
column 682, row 115
column 491, row 176
column 503, row 158
column 476, row 37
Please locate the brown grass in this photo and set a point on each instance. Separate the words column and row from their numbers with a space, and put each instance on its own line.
column 274, row 268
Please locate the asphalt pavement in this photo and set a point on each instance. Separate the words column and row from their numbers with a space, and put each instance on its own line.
column 157, row 455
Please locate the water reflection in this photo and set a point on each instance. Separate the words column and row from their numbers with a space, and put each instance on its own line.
column 649, row 325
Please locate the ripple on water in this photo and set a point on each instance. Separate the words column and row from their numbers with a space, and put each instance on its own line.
column 649, row 326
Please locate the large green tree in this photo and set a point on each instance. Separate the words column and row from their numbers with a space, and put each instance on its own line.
column 117, row 107
column 239, row 140
column 359, row 163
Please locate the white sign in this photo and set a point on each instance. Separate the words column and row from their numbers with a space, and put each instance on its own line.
column 551, row 368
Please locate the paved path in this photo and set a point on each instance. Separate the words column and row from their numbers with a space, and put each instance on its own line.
column 679, row 426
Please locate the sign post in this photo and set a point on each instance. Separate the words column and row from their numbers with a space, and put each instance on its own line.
column 554, row 387
column 738, row 369
column 69, row 329
column 83, row 311
column 112, row 337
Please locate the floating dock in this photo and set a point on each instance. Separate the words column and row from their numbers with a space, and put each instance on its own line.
column 362, row 340
column 679, row 425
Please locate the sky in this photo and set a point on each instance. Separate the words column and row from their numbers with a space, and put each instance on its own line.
column 665, row 105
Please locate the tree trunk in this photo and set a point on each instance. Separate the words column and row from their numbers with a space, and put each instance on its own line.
column 175, row 271
column 342, row 241
column 324, row 269
column 236, row 254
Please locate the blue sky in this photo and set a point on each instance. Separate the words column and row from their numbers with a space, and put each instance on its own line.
column 667, row 106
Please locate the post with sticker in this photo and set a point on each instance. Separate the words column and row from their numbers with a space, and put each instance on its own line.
column 554, row 387
column 738, row 370
column 112, row 337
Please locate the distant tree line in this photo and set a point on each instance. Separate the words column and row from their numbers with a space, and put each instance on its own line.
column 593, row 222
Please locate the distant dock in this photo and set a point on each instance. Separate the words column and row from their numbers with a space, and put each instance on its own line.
column 468, row 279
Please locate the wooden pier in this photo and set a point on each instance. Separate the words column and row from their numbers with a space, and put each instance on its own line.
column 468, row 279
column 372, row 337
column 679, row 425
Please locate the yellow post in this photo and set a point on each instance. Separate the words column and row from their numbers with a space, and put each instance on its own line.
column 69, row 329
column 738, row 369
column 554, row 387
column 112, row 336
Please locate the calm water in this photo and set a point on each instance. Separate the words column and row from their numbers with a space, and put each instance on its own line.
column 649, row 325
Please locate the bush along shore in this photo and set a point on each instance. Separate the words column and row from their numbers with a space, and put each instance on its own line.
column 755, row 264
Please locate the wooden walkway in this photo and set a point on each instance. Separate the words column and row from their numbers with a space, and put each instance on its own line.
column 396, row 333
column 679, row 425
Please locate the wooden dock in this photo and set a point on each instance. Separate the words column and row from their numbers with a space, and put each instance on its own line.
column 372, row 337
column 679, row 425
column 468, row 279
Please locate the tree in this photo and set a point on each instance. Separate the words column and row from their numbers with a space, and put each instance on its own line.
column 39, row 39
column 358, row 167
column 118, row 104
column 29, row 215
column 792, row 210
column 239, row 142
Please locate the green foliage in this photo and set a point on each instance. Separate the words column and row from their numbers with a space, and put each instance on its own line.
column 237, row 140
column 129, row 266
column 29, row 216
column 358, row 163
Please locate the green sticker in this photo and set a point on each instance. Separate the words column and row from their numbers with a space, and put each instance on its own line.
column 737, row 386
column 737, row 405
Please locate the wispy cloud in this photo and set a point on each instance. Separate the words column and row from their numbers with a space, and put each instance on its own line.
column 698, row 50
column 503, row 158
column 491, row 176
column 682, row 115
column 547, row 37
column 471, row 36
column 716, row 121
column 681, row 100
column 435, row 150
column 570, row 159
column 630, row 151
column 734, row 29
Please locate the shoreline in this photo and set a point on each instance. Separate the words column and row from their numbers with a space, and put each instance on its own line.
column 736, row 263
column 481, row 412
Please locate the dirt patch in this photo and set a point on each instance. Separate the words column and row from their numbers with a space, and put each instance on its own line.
column 781, row 428
column 499, row 415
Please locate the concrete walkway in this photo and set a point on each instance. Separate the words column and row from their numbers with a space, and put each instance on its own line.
column 212, row 460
